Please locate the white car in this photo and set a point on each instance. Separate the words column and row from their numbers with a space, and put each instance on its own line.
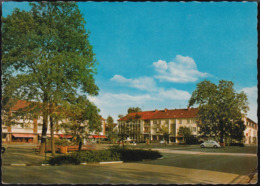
column 162, row 142
column 210, row 143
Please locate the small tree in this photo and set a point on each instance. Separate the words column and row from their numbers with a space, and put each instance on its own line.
column 82, row 117
column 120, row 116
column 185, row 133
column 134, row 109
column 110, row 128
column 165, row 131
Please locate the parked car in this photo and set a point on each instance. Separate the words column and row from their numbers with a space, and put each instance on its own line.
column 4, row 147
column 210, row 143
column 162, row 142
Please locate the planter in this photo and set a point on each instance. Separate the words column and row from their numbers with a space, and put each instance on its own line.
column 63, row 150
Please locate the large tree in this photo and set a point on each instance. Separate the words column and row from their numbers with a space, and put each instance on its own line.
column 221, row 109
column 47, row 56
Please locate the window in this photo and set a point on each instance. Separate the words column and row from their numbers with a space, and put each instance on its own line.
column 167, row 121
column 193, row 129
column 155, row 122
column 180, row 121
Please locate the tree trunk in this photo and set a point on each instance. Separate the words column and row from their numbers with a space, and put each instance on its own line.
column 80, row 144
column 52, row 137
column 44, row 132
column 44, row 124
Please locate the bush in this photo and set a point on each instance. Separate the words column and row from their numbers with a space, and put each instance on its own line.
column 62, row 142
column 237, row 144
column 135, row 154
column 115, row 153
column 192, row 140
column 64, row 159
column 85, row 156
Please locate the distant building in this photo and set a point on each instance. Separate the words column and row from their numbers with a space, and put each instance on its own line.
column 29, row 130
column 148, row 123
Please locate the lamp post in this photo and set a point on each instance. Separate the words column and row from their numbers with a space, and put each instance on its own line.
column 45, row 144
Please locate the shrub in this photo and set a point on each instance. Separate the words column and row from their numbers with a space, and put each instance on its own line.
column 135, row 154
column 237, row 144
column 62, row 142
column 115, row 153
column 64, row 159
column 85, row 156
column 192, row 140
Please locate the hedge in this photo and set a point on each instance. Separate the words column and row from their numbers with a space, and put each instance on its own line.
column 113, row 154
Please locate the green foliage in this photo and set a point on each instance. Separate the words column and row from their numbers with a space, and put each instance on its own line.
column 165, row 131
column 62, row 142
column 129, row 155
column 113, row 154
column 221, row 109
column 47, row 56
column 192, row 140
column 134, row 109
column 85, row 156
column 185, row 133
column 120, row 116
column 64, row 159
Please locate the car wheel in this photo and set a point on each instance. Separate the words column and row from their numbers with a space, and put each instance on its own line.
column 3, row 149
column 215, row 146
column 202, row 146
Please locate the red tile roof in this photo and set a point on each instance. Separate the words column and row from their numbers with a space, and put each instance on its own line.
column 20, row 105
column 164, row 114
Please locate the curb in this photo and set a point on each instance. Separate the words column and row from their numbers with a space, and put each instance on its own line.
column 110, row 162
column 18, row 165
column 84, row 163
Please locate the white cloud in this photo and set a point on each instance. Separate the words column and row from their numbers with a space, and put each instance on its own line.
column 114, row 104
column 142, row 83
column 174, row 94
column 251, row 93
column 183, row 70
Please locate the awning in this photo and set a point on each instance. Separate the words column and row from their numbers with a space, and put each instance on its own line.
column 99, row 136
column 66, row 136
column 90, row 137
column 23, row 135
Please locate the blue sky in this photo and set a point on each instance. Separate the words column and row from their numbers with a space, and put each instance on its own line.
column 152, row 55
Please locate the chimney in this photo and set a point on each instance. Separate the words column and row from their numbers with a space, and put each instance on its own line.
column 165, row 110
column 188, row 108
column 156, row 110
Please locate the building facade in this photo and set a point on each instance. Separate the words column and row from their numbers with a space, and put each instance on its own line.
column 143, row 126
column 24, row 130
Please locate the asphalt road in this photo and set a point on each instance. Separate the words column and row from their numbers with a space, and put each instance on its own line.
column 175, row 168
